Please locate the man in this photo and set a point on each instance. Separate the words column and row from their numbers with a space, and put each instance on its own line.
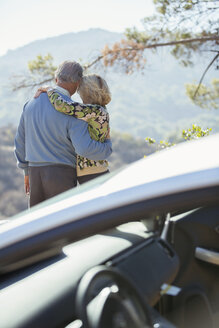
column 47, row 141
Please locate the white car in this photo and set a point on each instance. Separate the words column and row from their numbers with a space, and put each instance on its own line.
column 133, row 249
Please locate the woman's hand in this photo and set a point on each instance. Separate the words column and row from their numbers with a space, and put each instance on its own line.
column 40, row 90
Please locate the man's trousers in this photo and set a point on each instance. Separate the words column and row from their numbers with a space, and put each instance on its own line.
column 49, row 181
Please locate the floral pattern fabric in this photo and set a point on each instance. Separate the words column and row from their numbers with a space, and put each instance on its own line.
column 96, row 116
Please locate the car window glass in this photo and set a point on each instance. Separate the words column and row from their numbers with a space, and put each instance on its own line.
column 74, row 191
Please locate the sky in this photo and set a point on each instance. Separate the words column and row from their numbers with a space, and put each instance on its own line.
column 24, row 21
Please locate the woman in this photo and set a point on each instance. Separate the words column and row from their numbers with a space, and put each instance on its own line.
column 93, row 90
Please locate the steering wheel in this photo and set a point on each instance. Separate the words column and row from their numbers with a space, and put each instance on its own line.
column 107, row 299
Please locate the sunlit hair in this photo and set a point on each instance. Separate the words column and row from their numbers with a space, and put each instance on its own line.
column 93, row 89
column 69, row 71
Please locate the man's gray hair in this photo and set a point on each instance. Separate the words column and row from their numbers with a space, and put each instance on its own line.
column 69, row 71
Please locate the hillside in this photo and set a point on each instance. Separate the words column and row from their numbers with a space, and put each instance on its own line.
column 150, row 104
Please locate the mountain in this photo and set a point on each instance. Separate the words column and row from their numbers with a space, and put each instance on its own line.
column 149, row 103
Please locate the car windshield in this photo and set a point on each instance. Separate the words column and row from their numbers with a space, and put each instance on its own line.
column 74, row 191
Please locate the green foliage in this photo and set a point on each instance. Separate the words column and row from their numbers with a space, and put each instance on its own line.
column 162, row 144
column 42, row 66
column 150, row 141
column 195, row 132
column 207, row 96
column 180, row 20
column 40, row 71
column 134, row 34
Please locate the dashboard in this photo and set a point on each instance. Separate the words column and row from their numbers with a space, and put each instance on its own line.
column 46, row 294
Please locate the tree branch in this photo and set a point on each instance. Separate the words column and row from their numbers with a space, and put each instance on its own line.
column 26, row 84
column 31, row 84
column 93, row 62
column 156, row 45
column 203, row 75
column 172, row 43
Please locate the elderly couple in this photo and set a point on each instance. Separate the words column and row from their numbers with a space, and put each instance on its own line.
column 60, row 142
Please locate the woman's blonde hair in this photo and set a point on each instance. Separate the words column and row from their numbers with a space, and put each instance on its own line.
column 93, row 89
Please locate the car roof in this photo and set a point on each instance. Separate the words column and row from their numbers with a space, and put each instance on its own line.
column 187, row 166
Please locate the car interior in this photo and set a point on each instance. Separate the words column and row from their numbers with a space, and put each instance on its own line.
column 156, row 271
